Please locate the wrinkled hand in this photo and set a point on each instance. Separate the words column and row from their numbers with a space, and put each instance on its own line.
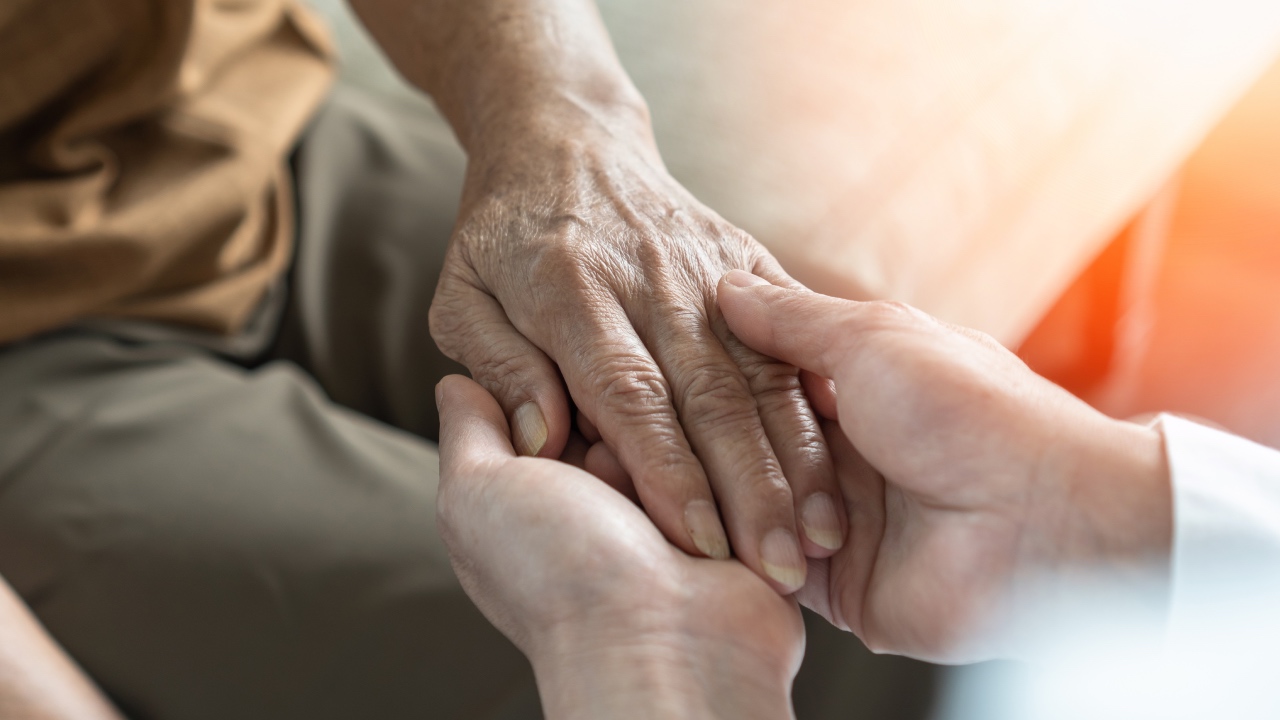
column 616, row 621
column 577, row 255
column 965, row 475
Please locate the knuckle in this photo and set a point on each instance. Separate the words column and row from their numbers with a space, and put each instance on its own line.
column 792, row 405
column 810, row 461
column 659, row 259
column 457, row 310
column 576, row 270
column 555, row 261
column 739, row 247
column 491, row 367
column 632, row 387
column 445, row 317
column 770, row 379
column 770, row 490
column 667, row 465
column 716, row 396
column 635, row 393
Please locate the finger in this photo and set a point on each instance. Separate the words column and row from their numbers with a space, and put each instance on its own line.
column 793, row 431
column 821, row 393
column 719, row 415
column 805, row 329
column 816, row 593
column 588, row 429
column 473, row 428
column 613, row 378
column 471, row 327
column 575, row 451
column 851, row 572
column 768, row 268
column 601, row 462
column 792, row 427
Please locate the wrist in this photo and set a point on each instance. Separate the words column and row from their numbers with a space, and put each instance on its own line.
column 1127, row 494
column 497, row 68
column 622, row 674
column 1114, row 501
column 1097, row 538
column 558, row 122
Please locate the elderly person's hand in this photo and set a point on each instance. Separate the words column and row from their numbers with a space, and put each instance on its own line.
column 580, row 256
column 616, row 621
column 966, row 477
column 580, row 270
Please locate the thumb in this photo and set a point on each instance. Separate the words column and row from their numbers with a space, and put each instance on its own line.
column 798, row 327
column 471, row 327
column 472, row 427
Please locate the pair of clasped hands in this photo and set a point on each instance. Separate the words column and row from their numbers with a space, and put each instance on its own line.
column 944, row 471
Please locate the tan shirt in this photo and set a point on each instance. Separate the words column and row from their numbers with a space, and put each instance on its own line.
column 143, row 148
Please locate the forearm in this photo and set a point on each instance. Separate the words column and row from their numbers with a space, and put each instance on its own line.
column 37, row 680
column 499, row 68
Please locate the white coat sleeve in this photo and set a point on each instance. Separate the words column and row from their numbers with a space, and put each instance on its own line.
column 1226, row 544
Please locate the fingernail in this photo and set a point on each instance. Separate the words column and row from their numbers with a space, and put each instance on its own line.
column 821, row 524
column 742, row 278
column 439, row 394
column 703, row 523
column 529, row 429
column 782, row 560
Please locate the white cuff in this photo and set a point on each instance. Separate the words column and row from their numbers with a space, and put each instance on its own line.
column 1226, row 519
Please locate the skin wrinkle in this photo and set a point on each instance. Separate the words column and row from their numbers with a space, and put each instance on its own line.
column 587, row 345
column 767, row 377
column 712, row 399
column 937, row 535
column 800, row 447
column 632, row 386
column 572, row 227
column 808, row 443
column 712, row 402
column 637, row 392
column 496, row 367
column 446, row 325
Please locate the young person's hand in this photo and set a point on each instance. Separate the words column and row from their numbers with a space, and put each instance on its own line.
column 616, row 621
column 967, row 478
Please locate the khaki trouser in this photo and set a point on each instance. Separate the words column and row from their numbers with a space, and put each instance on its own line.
column 219, row 538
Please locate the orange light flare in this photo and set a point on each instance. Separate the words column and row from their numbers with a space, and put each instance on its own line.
column 1211, row 344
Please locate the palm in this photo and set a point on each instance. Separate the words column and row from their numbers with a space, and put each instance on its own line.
column 603, row 563
column 915, row 576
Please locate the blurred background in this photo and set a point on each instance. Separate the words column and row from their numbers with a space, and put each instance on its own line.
column 1096, row 184
column 1093, row 183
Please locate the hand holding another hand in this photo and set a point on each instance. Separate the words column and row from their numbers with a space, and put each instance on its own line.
column 966, row 476
column 578, row 263
column 616, row 621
